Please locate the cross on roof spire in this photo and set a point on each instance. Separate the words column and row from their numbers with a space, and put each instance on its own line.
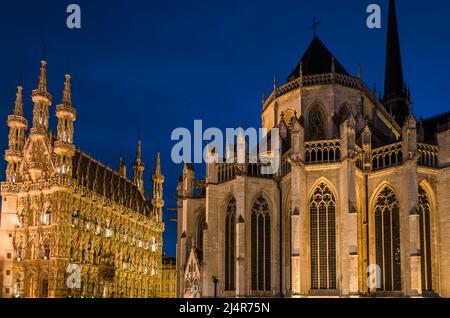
column 314, row 26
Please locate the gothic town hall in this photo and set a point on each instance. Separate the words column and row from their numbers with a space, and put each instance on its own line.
column 360, row 206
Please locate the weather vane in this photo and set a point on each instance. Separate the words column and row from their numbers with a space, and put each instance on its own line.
column 314, row 26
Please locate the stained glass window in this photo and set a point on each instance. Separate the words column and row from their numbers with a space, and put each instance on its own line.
column 387, row 240
column 425, row 239
column 322, row 210
column 230, row 245
column 260, row 246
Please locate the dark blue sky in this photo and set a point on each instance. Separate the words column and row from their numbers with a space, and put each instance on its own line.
column 158, row 65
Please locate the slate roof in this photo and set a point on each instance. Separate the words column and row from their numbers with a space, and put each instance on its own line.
column 317, row 59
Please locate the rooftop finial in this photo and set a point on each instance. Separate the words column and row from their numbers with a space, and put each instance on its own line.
column 18, row 105
column 314, row 26
column 42, row 87
column 158, row 163
column 67, row 93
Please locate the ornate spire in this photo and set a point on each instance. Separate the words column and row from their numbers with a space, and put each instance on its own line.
column 42, row 100
column 122, row 167
column 139, row 167
column 16, row 140
column 42, row 87
column 394, row 86
column 157, row 193
column 67, row 94
column 158, row 164
column 18, row 105
column 67, row 115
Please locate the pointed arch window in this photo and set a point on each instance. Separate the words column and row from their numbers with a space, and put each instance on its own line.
column 344, row 113
column 322, row 209
column 425, row 239
column 44, row 288
column 260, row 246
column 199, row 239
column 387, row 240
column 230, row 245
column 316, row 124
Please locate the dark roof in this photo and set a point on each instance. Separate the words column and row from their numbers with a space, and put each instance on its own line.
column 317, row 59
column 104, row 181
column 394, row 85
column 432, row 125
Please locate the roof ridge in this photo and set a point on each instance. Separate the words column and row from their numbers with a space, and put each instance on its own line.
column 317, row 59
column 436, row 116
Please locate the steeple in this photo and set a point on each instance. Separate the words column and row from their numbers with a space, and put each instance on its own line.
column 17, row 125
column 67, row 115
column 42, row 100
column 18, row 105
column 395, row 94
column 138, row 167
column 67, row 95
column 157, row 193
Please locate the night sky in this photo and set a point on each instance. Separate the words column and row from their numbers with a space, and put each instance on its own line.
column 158, row 65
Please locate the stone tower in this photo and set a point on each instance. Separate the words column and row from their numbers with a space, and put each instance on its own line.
column 157, row 195
column 66, row 114
column 17, row 125
column 138, row 168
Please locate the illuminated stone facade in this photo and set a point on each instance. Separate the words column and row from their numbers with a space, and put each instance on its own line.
column 70, row 225
column 168, row 278
column 361, row 204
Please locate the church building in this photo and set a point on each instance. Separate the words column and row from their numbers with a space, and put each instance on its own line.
column 359, row 207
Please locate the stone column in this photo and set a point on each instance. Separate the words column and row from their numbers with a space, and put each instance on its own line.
column 348, row 216
column 241, row 259
column 409, row 207
column 298, row 206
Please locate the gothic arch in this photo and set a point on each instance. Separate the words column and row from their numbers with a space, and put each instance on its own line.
column 230, row 244
column 428, row 237
column 345, row 112
column 200, row 223
column 261, row 244
column 385, row 237
column 323, row 208
column 316, row 122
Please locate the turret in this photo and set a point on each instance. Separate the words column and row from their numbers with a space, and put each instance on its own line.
column 122, row 170
column 157, row 193
column 42, row 100
column 188, row 180
column 17, row 125
column 66, row 114
column 138, row 168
